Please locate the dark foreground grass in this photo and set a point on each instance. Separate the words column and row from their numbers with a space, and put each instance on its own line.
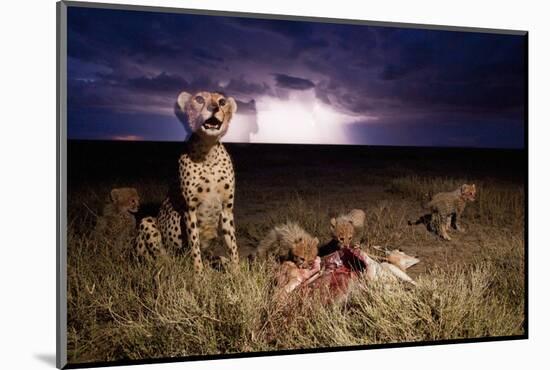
column 121, row 309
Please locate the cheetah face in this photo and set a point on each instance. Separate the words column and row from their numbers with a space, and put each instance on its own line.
column 468, row 192
column 125, row 199
column 342, row 232
column 208, row 113
column 304, row 252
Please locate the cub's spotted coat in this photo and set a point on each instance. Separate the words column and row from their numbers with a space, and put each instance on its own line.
column 289, row 242
column 446, row 209
column 117, row 224
column 201, row 202
column 347, row 229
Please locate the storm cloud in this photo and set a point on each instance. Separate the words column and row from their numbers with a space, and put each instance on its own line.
column 385, row 85
column 291, row 82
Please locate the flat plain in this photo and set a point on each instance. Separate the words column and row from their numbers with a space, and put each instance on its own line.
column 470, row 287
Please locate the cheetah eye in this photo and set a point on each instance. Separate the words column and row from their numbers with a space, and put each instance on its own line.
column 221, row 102
column 199, row 99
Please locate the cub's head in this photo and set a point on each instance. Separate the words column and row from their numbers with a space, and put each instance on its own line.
column 468, row 192
column 208, row 113
column 304, row 251
column 342, row 232
column 125, row 199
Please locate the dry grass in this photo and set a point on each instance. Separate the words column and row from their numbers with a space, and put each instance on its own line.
column 120, row 309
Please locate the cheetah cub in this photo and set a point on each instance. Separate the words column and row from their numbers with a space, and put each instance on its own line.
column 446, row 209
column 117, row 224
column 289, row 242
column 347, row 229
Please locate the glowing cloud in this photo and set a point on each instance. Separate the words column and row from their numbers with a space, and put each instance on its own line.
column 300, row 118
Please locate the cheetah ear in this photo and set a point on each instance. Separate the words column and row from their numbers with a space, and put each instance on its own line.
column 474, row 187
column 315, row 242
column 183, row 98
column 332, row 223
column 233, row 104
column 115, row 195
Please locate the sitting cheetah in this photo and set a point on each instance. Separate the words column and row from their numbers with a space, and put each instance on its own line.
column 446, row 209
column 117, row 224
column 149, row 244
column 347, row 229
column 202, row 200
column 289, row 242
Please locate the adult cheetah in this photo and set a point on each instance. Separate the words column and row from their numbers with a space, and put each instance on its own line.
column 201, row 202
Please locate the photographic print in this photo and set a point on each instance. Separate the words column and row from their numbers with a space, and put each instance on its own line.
column 239, row 184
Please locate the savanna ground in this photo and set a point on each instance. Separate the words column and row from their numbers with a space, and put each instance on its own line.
column 470, row 287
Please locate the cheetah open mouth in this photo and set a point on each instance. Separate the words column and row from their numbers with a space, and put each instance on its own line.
column 212, row 123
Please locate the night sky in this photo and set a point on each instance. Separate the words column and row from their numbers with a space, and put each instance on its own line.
column 294, row 82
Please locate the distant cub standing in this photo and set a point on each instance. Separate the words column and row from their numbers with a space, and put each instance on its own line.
column 289, row 242
column 347, row 229
column 447, row 208
column 201, row 202
column 117, row 224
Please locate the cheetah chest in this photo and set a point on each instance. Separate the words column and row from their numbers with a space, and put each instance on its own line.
column 215, row 187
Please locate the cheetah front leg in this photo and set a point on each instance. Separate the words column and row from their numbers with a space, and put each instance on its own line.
column 442, row 227
column 192, row 229
column 448, row 221
column 228, row 231
column 456, row 226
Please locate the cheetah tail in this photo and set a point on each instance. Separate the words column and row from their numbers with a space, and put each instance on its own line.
column 419, row 221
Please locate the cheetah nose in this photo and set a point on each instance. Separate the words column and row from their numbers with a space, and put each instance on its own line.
column 213, row 108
